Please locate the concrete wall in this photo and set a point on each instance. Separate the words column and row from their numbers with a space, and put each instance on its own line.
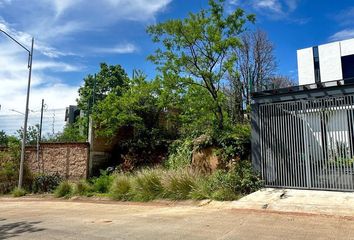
column 70, row 160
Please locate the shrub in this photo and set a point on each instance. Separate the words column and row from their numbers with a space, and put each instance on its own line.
column 44, row 183
column 179, row 184
column 83, row 188
column 147, row 185
column 180, row 154
column 18, row 192
column 103, row 183
column 64, row 189
column 121, row 188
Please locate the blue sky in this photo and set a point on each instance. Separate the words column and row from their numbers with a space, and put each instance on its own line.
column 74, row 36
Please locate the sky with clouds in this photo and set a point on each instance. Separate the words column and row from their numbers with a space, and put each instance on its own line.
column 73, row 36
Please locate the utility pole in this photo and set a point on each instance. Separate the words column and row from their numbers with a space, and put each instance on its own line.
column 29, row 66
column 20, row 178
column 39, row 137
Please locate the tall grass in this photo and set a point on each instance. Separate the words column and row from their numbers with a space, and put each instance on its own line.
column 151, row 183
column 147, row 185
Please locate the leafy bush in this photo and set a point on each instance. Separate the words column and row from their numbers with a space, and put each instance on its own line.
column 44, row 183
column 179, row 184
column 83, row 188
column 121, row 188
column 180, row 154
column 147, row 185
column 228, row 185
column 64, row 189
column 18, row 192
column 102, row 183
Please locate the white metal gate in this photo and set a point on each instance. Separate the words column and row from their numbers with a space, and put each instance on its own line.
column 308, row 143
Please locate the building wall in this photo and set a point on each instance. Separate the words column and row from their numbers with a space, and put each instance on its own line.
column 69, row 160
column 330, row 61
column 305, row 64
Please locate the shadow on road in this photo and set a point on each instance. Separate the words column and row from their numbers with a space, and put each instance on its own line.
column 9, row 230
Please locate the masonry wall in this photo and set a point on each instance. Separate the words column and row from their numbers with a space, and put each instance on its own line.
column 69, row 160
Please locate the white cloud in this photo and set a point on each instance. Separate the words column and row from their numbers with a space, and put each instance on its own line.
column 272, row 5
column 343, row 34
column 56, row 24
column 119, row 49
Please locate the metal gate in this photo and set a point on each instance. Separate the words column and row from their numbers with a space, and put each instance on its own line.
column 308, row 143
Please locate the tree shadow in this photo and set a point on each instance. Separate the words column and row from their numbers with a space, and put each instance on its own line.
column 9, row 230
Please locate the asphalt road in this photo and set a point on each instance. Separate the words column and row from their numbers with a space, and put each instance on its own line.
column 52, row 219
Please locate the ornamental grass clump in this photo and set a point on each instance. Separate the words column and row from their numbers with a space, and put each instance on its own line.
column 179, row 184
column 83, row 188
column 18, row 192
column 64, row 189
column 147, row 185
column 121, row 188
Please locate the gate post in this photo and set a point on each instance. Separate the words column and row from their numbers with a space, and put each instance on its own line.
column 255, row 138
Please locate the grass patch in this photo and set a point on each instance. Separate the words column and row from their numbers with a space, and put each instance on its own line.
column 103, row 183
column 18, row 192
column 147, row 185
column 64, row 189
column 121, row 188
column 83, row 188
column 179, row 184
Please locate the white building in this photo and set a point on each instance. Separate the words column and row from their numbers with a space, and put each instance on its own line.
column 327, row 62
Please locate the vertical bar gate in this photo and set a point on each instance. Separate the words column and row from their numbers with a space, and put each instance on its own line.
column 308, row 143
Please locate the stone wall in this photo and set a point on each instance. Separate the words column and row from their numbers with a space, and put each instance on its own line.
column 70, row 160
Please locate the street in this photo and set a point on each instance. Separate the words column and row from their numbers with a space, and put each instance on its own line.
column 61, row 219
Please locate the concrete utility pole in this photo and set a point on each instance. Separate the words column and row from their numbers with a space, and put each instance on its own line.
column 30, row 58
column 39, row 137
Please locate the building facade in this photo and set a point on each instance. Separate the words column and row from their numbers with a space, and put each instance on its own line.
column 327, row 62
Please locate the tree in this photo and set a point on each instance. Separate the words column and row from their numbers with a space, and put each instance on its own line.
column 198, row 49
column 71, row 133
column 3, row 138
column 256, row 63
column 110, row 79
column 280, row 81
column 31, row 136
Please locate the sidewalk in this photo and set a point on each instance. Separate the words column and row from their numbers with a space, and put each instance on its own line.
column 304, row 201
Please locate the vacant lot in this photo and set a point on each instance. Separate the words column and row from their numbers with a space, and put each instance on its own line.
column 52, row 219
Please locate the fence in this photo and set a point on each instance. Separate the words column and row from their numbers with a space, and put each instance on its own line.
column 305, row 143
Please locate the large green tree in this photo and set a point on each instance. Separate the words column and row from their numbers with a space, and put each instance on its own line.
column 199, row 49
column 110, row 79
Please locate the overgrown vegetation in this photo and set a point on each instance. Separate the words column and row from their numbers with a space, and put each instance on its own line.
column 159, row 183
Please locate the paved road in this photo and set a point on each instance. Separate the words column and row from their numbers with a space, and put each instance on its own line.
column 51, row 219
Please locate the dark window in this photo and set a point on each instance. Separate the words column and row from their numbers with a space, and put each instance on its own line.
column 348, row 66
column 316, row 60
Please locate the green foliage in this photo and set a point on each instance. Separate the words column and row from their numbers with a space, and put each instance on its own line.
column 83, row 188
column 31, row 134
column 71, row 133
column 180, row 154
column 201, row 47
column 234, row 144
column 179, row 184
column 64, row 189
column 110, row 79
column 18, row 192
column 102, row 183
column 46, row 183
column 147, row 185
column 3, row 138
column 228, row 185
column 121, row 188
